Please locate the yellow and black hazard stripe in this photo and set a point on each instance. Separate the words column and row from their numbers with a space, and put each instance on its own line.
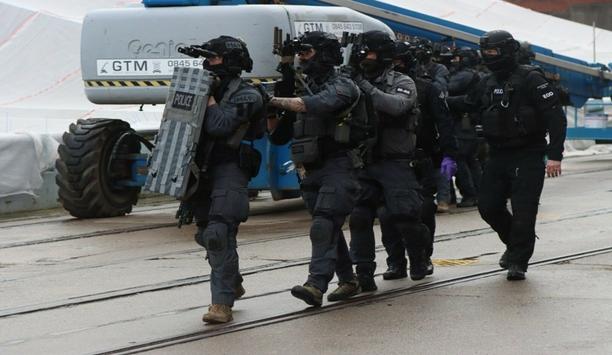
column 125, row 83
column 154, row 83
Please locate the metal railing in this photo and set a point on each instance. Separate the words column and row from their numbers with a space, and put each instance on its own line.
column 591, row 121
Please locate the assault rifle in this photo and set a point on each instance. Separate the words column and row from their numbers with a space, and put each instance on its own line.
column 353, row 50
column 195, row 51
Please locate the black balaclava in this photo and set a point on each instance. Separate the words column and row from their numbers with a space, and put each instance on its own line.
column 380, row 43
column 327, row 54
column 504, row 62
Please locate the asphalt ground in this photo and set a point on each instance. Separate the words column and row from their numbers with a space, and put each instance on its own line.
column 139, row 284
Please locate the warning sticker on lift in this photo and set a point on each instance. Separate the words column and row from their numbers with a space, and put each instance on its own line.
column 336, row 28
column 144, row 67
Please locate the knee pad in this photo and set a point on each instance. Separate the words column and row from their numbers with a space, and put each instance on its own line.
column 322, row 229
column 215, row 237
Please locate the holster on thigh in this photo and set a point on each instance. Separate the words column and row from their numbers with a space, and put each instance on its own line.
column 403, row 203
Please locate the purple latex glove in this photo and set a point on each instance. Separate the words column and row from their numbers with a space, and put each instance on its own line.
column 448, row 168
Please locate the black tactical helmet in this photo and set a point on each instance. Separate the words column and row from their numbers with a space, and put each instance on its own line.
column 234, row 52
column 423, row 49
column 326, row 44
column 442, row 53
column 525, row 54
column 378, row 42
column 468, row 57
column 404, row 51
column 498, row 49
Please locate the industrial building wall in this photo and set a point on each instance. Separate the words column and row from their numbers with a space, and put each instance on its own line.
column 583, row 11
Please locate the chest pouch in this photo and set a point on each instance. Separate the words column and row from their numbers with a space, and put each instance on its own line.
column 356, row 124
column 250, row 159
column 499, row 120
column 312, row 127
column 305, row 150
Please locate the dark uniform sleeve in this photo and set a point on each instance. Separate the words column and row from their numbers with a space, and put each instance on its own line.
column 440, row 75
column 399, row 99
column 460, row 82
column 223, row 119
column 444, row 122
column 336, row 96
column 470, row 102
column 545, row 99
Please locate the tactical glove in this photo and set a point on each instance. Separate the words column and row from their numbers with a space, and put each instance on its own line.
column 448, row 168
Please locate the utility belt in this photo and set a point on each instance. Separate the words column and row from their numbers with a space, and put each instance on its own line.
column 466, row 122
column 247, row 157
column 393, row 156
column 514, row 142
column 311, row 152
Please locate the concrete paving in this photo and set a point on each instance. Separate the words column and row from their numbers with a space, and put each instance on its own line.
column 86, row 286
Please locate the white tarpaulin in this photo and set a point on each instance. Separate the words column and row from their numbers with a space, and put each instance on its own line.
column 24, row 156
column 41, row 90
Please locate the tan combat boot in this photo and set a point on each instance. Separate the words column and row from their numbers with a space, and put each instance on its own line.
column 345, row 290
column 443, row 207
column 218, row 313
column 308, row 293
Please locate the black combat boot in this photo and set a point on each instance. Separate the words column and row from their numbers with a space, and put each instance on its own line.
column 418, row 268
column 367, row 283
column 429, row 266
column 395, row 271
column 515, row 273
column 239, row 291
column 503, row 261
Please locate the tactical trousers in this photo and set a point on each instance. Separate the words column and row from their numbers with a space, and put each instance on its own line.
column 469, row 171
column 394, row 245
column 218, row 209
column 389, row 188
column 518, row 175
column 329, row 192
column 443, row 187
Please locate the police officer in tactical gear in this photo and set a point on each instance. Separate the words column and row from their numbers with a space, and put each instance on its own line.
column 233, row 115
column 319, row 150
column 424, row 52
column 435, row 141
column 443, row 54
column 518, row 107
column 388, row 181
column 525, row 54
column 463, row 79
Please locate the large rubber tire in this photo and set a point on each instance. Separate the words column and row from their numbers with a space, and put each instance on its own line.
column 85, row 187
